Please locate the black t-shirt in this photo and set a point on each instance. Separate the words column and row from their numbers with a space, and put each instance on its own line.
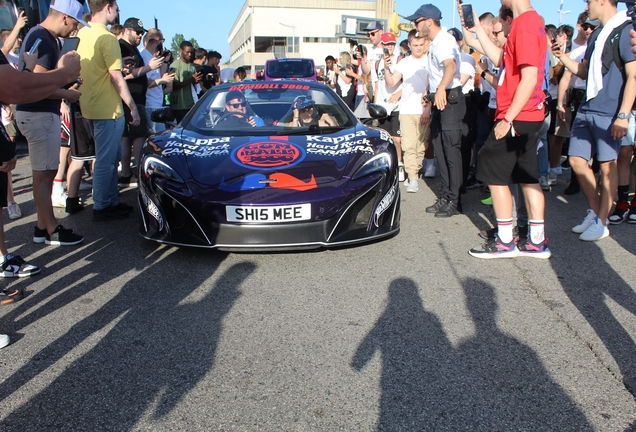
column 136, row 86
column 210, row 76
column 48, row 55
column 7, row 148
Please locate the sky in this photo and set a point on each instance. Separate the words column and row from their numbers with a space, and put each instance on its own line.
column 210, row 22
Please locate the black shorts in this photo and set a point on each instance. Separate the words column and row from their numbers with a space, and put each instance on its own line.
column 81, row 142
column 3, row 189
column 511, row 159
column 391, row 124
column 553, row 116
column 139, row 131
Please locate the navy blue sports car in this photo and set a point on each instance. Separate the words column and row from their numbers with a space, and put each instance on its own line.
column 269, row 166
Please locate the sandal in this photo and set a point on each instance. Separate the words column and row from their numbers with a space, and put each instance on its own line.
column 9, row 296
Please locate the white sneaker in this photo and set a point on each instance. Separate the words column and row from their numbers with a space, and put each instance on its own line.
column 558, row 170
column 543, row 182
column 413, row 186
column 14, row 210
column 596, row 231
column 430, row 169
column 401, row 171
column 552, row 178
column 587, row 222
column 4, row 340
column 59, row 200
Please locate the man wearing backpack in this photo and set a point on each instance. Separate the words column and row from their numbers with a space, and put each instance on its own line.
column 602, row 120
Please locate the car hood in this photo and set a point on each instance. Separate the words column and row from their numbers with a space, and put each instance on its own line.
column 295, row 163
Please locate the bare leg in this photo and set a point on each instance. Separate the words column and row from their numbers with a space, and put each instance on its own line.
column 609, row 185
column 624, row 164
column 74, row 178
column 555, row 147
column 535, row 201
column 501, row 201
column 396, row 140
column 42, row 188
column 587, row 181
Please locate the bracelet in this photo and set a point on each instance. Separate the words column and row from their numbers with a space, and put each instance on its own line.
column 506, row 121
column 483, row 74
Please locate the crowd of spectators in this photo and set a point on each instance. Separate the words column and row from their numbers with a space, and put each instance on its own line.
column 492, row 105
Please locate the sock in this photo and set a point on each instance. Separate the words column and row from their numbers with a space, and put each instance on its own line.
column 504, row 230
column 58, row 188
column 537, row 231
column 623, row 193
column 5, row 258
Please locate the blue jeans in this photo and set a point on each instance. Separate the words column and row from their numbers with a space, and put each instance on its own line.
column 107, row 135
column 542, row 153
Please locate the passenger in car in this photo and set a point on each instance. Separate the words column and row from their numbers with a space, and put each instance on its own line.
column 305, row 114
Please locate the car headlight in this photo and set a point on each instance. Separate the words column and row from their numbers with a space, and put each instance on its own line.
column 380, row 162
column 154, row 166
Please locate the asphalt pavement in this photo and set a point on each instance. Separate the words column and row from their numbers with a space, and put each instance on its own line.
column 407, row 334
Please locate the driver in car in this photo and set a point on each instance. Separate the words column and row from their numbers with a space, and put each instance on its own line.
column 236, row 109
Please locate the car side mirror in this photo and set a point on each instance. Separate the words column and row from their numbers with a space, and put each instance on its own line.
column 163, row 115
column 377, row 111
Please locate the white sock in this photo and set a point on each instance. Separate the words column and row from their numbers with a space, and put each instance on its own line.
column 58, row 187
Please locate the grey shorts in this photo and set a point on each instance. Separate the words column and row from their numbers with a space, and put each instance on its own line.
column 592, row 133
column 42, row 131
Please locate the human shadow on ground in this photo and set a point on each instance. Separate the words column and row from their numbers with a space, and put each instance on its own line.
column 160, row 346
column 489, row 382
column 589, row 285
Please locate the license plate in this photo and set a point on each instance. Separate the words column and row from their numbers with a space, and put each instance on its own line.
column 252, row 214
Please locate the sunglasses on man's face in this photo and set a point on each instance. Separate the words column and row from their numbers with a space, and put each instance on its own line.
column 496, row 33
column 419, row 20
column 588, row 27
column 238, row 105
column 371, row 34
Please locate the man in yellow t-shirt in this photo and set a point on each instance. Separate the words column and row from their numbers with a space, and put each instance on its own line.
column 103, row 90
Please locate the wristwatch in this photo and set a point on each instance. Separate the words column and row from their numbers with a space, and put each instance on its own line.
column 622, row 115
column 483, row 74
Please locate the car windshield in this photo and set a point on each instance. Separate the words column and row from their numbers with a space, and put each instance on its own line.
column 262, row 109
column 290, row 68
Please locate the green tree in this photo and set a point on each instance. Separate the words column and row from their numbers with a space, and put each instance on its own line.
column 176, row 42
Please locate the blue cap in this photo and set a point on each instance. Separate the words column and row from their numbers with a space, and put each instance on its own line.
column 373, row 25
column 456, row 34
column 302, row 102
column 426, row 11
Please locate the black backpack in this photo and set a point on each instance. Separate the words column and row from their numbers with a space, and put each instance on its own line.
column 611, row 53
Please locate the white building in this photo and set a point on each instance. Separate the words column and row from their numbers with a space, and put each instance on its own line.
column 268, row 29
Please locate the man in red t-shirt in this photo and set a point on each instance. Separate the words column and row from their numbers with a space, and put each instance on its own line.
column 510, row 154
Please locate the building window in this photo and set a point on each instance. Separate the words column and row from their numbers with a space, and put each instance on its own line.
column 320, row 40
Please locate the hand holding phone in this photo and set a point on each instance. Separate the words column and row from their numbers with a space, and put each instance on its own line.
column 70, row 44
column 35, row 46
column 467, row 13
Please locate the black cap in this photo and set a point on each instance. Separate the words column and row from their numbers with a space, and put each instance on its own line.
column 456, row 34
column 134, row 24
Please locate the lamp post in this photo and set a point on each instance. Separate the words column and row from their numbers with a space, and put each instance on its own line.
column 561, row 13
column 293, row 27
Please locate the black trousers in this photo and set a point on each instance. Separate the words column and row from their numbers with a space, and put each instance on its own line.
column 446, row 133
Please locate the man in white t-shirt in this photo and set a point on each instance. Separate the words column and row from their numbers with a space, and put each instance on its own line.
column 414, row 117
column 374, row 54
column 388, row 96
column 448, row 108
column 571, row 91
column 159, row 80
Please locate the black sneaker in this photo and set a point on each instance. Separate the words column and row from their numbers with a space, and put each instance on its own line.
column 39, row 235
column 109, row 213
column 621, row 212
column 129, row 181
column 63, row 237
column 441, row 202
column 123, row 207
column 73, row 205
column 450, row 209
column 15, row 266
